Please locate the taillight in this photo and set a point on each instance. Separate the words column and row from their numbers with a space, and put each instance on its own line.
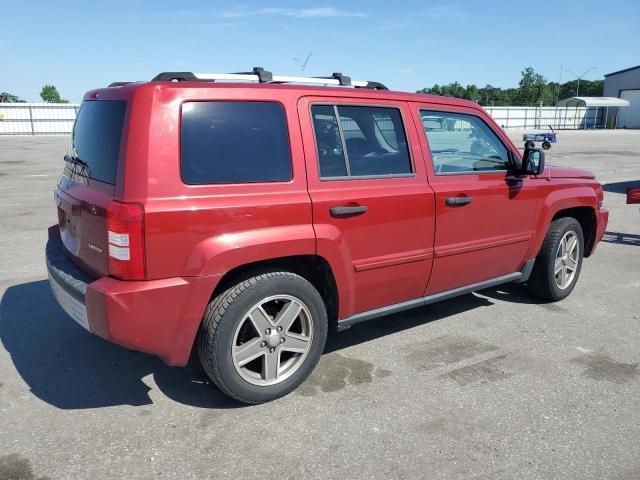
column 633, row 195
column 125, row 225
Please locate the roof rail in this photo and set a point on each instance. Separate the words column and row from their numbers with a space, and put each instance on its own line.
column 260, row 75
column 118, row 84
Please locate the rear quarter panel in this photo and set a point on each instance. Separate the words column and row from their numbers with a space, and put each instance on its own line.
column 209, row 229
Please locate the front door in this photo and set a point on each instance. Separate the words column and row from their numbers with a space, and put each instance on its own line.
column 484, row 212
column 373, row 210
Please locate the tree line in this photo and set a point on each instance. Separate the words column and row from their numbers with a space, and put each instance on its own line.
column 533, row 89
column 49, row 94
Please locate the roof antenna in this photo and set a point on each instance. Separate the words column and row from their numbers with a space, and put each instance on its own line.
column 303, row 65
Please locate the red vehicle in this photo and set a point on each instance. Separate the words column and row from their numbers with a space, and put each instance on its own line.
column 247, row 214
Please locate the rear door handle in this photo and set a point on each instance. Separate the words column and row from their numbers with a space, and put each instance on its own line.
column 344, row 211
column 455, row 201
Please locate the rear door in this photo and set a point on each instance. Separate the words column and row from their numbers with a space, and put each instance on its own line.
column 87, row 185
column 373, row 211
column 484, row 212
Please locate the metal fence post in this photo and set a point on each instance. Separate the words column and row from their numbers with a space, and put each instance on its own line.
column 33, row 131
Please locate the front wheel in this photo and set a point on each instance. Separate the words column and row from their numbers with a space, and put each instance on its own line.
column 263, row 336
column 546, row 145
column 558, row 264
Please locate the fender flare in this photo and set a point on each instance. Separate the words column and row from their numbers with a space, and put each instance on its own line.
column 332, row 246
column 220, row 254
column 556, row 201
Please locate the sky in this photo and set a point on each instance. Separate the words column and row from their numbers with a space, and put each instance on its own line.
column 407, row 45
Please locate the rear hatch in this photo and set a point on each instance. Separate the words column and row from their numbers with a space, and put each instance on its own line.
column 88, row 183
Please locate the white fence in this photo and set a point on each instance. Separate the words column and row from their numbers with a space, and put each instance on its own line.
column 37, row 118
column 560, row 118
column 57, row 118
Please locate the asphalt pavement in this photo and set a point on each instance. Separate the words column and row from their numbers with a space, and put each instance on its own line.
column 493, row 384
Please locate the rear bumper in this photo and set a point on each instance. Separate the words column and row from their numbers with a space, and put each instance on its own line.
column 154, row 316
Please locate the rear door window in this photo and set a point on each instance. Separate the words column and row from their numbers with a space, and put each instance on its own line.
column 360, row 141
column 234, row 142
column 96, row 138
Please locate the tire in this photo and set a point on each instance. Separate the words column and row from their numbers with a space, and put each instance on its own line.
column 529, row 145
column 546, row 145
column 230, row 336
column 544, row 282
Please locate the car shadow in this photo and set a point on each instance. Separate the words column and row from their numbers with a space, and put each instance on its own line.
column 70, row 368
column 388, row 325
column 620, row 187
column 514, row 293
column 621, row 238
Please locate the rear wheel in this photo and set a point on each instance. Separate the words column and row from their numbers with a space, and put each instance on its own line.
column 558, row 264
column 529, row 145
column 262, row 337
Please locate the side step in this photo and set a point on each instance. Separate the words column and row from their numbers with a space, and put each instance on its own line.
column 519, row 277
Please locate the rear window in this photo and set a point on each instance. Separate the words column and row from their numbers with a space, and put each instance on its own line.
column 234, row 142
column 96, row 138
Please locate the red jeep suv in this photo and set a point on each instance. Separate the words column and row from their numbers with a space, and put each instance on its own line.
column 246, row 214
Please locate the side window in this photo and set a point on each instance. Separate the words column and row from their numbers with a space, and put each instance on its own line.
column 462, row 143
column 332, row 161
column 357, row 141
column 234, row 142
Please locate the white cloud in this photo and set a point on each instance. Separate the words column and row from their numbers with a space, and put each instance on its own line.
column 446, row 12
column 216, row 25
column 319, row 12
column 406, row 71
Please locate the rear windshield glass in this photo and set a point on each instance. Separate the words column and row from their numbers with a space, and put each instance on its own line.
column 96, row 138
column 234, row 142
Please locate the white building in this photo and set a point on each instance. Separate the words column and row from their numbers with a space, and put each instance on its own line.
column 625, row 84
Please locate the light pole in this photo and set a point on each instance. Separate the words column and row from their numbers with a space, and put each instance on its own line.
column 303, row 65
column 579, row 77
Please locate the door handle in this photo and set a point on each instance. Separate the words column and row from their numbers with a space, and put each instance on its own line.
column 457, row 201
column 345, row 211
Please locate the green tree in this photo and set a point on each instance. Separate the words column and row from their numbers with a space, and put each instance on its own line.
column 49, row 94
column 471, row 92
column 6, row 97
column 532, row 90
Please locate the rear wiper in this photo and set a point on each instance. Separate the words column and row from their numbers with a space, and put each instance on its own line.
column 78, row 166
column 75, row 160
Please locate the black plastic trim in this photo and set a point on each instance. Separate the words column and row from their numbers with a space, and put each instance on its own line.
column 519, row 277
column 375, row 86
column 177, row 76
column 69, row 277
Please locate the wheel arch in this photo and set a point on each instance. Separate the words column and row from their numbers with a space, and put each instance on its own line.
column 578, row 202
column 586, row 216
column 313, row 268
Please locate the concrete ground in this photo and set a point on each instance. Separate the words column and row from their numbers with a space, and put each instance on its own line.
column 489, row 385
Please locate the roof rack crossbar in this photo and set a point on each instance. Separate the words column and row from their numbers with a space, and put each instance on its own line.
column 260, row 75
column 264, row 76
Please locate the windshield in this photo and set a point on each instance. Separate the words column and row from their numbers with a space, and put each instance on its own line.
column 95, row 142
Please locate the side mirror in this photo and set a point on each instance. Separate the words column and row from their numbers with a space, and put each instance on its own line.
column 533, row 161
column 633, row 195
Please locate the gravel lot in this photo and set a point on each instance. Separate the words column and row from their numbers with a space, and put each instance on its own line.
column 490, row 385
